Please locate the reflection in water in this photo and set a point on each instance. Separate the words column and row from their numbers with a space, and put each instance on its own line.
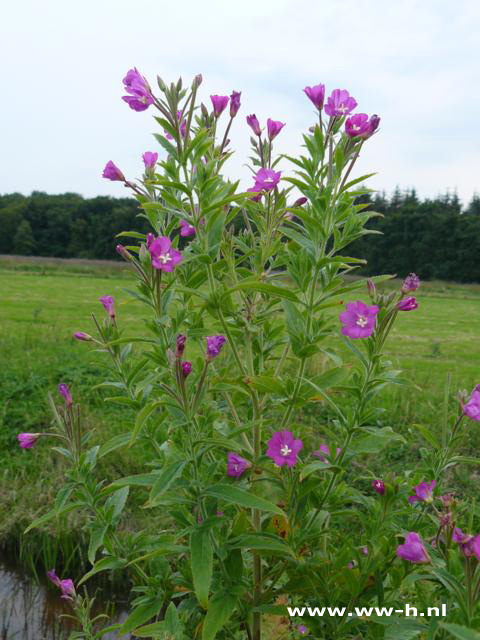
column 32, row 612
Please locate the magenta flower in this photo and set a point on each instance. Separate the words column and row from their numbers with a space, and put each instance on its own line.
column 283, row 448
column 150, row 159
column 140, row 97
column 163, row 256
column 266, row 180
column 364, row 550
column 64, row 391
column 274, row 127
column 470, row 545
column 109, row 305
column 358, row 320
column 340, row 103
column 423, row 492
column 186, row 229
column 472, row 408
column 378, row 486
column 411, row 283
column 357, row 125
column 235, row 103
column 316, row 94
column 214, row 346
column 66, row 586
column 180, row 342
column 324, row 449
column 80, row 335
column 413, row 550
column 407, row 304
column 253, row 123
column 27, row 440
column 186, row 368
column 219, row 104
column 236, row 465
column 112, row 172
column 302, row 629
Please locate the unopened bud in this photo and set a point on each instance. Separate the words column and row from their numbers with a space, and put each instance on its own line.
column 80, row 335
column 186, row 368
column 123, row 252
column 161, row 84
column 371, row 288
column 181, row 340
column 300, row 201
column 197, row 81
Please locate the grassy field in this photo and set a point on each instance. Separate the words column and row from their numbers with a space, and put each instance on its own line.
column 43, row 302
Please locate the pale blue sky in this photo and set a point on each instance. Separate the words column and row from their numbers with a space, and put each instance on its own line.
column 415, row 63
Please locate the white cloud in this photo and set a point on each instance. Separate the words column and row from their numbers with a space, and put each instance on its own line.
column 412, row 62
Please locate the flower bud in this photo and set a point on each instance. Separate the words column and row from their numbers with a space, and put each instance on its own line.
column 27, row 440
column 64, row 391
column 378, row 486
column 161, row 84
column 300, row 201
column 120, row 249
column 235, row 103
column 80, row 335
column 197, row 81
column 186, row 368
column 411, row 283
column 150, row 239
column 371, row 288
column 181, row 340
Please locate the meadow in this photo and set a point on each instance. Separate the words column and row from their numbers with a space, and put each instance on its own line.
column 42, row 302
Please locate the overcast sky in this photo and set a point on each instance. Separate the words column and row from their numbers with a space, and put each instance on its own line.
column 415, row 63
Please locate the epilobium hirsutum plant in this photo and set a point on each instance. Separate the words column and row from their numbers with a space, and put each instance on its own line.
column 249, row 320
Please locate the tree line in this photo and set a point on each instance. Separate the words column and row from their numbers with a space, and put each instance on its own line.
column 435, row 238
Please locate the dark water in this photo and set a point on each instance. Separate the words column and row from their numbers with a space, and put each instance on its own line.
column 32, row 612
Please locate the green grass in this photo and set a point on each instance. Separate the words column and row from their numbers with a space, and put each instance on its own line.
column 42, row 304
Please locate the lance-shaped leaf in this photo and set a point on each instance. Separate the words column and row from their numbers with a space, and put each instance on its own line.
column 240, row 497
column 202, row 564
column 220, row 610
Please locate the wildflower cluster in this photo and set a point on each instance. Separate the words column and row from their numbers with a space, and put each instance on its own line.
column 250, row 320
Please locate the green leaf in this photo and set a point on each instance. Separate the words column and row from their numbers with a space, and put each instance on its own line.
column 428, row 435
column 141, row 614
column 462, row 633
column 264, row 541
column 142, row 417
column 163, row 482
column 53, row 514
column 234, row 495
column 96, row 540
column 317, row 465
column 173, row 625
column 267, row 384
column 169, row 148
column 202, row 564
column 221, row 608
column 114, row 443
column 117, row 501
column 140, row 480
column 154, row 630
column 105, row 564
column 265, row 287
column 373, row 440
